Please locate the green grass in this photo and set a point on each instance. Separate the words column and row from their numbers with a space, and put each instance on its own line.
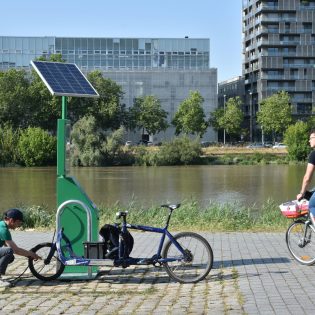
column 215, row 217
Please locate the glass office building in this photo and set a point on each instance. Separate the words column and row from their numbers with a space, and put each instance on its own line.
column 165, row 67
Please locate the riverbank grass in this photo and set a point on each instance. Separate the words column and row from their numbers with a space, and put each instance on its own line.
column 215, row 217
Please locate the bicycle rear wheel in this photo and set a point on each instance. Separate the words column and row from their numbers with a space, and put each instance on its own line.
column 300, row 239
column 197, row 263
column 44, row 269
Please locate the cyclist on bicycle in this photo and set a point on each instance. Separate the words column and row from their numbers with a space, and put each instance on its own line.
column 13, row 218
column 308, row 177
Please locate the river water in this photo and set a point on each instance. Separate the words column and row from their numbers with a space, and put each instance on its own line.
column 156, row 185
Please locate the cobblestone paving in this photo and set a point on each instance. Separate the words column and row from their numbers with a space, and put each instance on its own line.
column 252, row 274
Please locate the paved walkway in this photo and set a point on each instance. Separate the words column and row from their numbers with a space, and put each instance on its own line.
column 253, row 273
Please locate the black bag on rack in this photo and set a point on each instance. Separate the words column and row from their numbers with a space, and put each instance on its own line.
column 110, row 234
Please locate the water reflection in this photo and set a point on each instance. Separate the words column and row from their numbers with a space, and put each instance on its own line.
column 155, row 185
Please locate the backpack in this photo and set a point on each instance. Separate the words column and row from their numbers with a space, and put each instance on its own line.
column 110, row 234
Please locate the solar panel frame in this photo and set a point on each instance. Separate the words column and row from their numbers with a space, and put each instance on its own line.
column 64, row 79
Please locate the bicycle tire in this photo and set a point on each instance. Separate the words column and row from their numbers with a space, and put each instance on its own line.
column 40, row 269
column 194, row 269
column 302, row 250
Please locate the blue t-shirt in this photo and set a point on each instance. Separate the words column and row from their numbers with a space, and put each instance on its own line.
column 5, row 234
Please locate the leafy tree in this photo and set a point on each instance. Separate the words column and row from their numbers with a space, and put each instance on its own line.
column 190, row 116
column 108, row 110
column 147, row 113
column 45, row 108
column 14, row 98
column 8, row 145
column 112, row 151
column 87, row 140
column 36, row 147
column 229, row 119
column 216, row 117
column 232, row 117
column 52, row 58
column 275, row 113
column 94, row 147
column 296, row 138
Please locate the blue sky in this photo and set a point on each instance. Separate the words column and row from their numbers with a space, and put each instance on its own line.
column 218, row 20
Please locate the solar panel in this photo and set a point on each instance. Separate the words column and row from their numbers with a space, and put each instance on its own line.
column 64, row 79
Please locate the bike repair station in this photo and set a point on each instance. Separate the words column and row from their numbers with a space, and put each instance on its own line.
column 76, row 213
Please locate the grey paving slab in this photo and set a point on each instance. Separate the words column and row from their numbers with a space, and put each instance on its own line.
column 253, row 273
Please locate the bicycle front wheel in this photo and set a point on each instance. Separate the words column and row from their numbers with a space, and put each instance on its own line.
column 197, row 262
column 300, row 239
column 44, row 269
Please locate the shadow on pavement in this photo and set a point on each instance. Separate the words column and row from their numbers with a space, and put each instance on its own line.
column 152, row 274
column 250, row 261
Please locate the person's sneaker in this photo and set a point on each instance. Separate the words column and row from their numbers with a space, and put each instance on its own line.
column 5, row 284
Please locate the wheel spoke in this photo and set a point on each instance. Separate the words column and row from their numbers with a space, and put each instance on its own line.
column 43, row 271
column 300, row 242
column 199, row 263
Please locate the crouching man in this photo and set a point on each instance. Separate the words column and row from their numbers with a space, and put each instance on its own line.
column 13, row 219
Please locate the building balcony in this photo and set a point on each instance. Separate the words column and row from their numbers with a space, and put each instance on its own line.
column 265, row 19
column 287, row 89
column 293, row 65
column 278, row 54
column 307, row 7
column 291, row 42
column 274, row 77
column 302, row 100
column 267, row 7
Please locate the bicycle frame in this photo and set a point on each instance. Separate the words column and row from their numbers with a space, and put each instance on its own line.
column 306, row 220
column 73, row 260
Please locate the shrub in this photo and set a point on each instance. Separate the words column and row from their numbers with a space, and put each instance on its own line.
column 296, row 138
column 87, row 140
column 96, row 147
column 112, row 152
column 8, row 145
column 144, row 156
column 180, row 151
column 36, row 147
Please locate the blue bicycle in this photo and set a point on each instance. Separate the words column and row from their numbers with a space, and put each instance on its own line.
column 187, row 257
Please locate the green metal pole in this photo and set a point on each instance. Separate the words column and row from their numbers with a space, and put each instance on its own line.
column 64, row 107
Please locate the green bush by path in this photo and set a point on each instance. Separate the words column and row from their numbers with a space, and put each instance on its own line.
column 190, row 216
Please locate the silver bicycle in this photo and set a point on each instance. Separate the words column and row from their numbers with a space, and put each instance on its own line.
column 300, row 239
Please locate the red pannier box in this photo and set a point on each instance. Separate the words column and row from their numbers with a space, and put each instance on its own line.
column 294, row 209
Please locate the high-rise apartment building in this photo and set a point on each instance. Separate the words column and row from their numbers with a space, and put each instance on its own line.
column 279, row 53
column 165, row 67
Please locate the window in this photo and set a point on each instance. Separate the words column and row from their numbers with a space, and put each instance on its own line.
column 307, row 27
column 304, row 108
